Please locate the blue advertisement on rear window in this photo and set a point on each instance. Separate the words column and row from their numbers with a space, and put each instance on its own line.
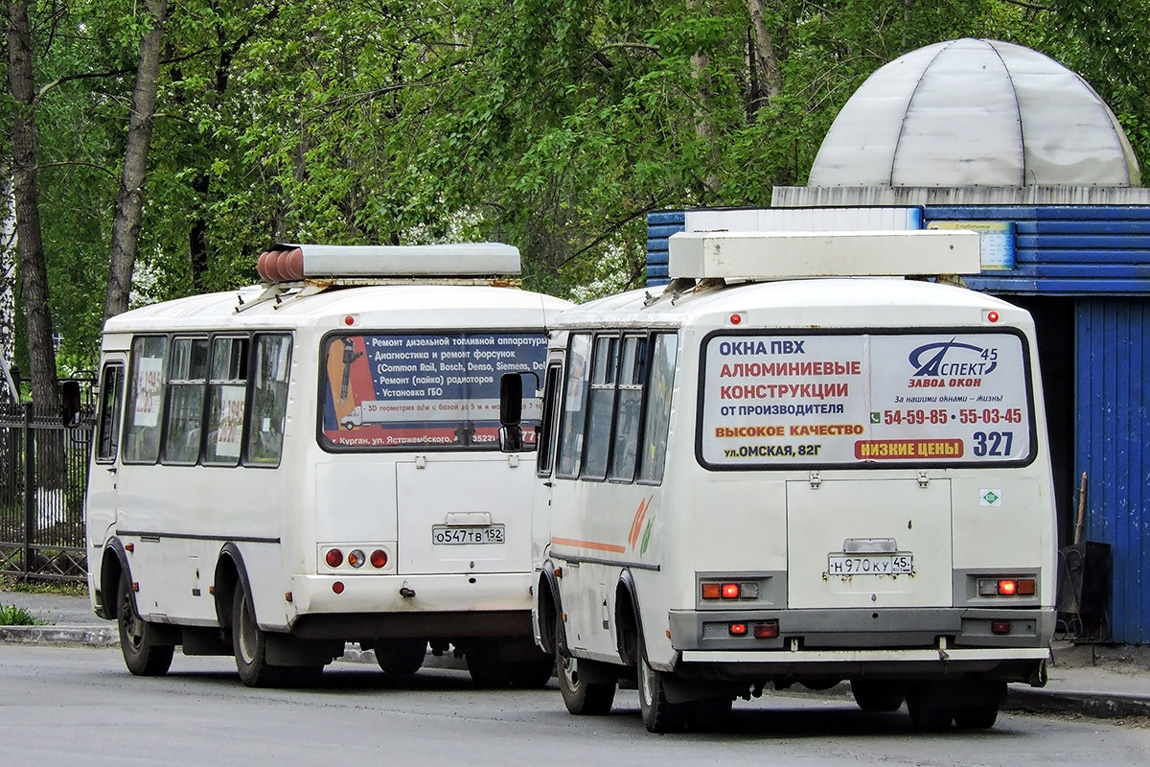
column 440, row 390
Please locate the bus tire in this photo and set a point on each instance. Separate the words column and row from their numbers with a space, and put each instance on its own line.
column 659, row 714
column 927, row 710
column 249, row 643
column 980, row 717
column 142, row 654
column 581, row 697
column 400, row 657
column 875, row 696
column 485, row 666
column 531, row 674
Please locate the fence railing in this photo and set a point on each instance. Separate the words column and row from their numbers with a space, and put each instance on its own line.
column 43, row 474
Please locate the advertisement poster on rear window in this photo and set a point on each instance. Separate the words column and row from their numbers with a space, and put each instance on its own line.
column 865, row 399
column 424, row 391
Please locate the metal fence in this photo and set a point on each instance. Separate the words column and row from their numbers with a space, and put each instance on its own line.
column 43, row 474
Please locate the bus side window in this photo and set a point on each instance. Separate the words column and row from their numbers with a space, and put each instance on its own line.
column 658, row 413
column 186, row 379
column 227, row 392
column 625, row 450
column 547, row 432
column 265, row 433
column 108, row 427
column 145, row 404
column 604, row 376
column 574, row 407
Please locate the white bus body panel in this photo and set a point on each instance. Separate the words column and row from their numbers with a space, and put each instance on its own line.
column 178, row 518
column 777, row 527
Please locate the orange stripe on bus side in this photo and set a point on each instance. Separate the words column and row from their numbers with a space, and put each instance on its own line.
column 589, row 545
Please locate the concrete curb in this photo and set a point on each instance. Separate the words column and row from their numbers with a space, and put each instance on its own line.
column 1088, row 704
column 89, row 636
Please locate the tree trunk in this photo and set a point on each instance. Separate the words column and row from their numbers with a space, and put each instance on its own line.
column 704, row 127
column 768, row 72
column 26, row 196
column 130, row 202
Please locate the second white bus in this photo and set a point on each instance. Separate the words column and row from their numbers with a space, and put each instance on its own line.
column 763, row 475
column 312, row 461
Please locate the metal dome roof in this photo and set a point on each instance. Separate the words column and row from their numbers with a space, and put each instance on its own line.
column 975, row 113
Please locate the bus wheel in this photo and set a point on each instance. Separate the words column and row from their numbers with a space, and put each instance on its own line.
column 400, row 657
column 659, row 715
column 927, row 711
column 485, row 666
column 976, row 717
column 250, row 646
column 142, row 655
column 876, row 697
column 531, row 674
column 582, row 697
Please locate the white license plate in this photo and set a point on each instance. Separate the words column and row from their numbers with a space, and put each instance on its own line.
column 872, row 564
column 446, row 535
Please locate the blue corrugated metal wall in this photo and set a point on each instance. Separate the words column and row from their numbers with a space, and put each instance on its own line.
column 1100, row 255
column 1066, row 249
column 1113, row 448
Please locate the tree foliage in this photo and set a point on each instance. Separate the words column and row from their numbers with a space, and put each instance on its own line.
column 555, row 125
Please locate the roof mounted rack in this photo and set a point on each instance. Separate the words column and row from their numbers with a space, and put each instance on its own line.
column 291, row 270
column 760, row 256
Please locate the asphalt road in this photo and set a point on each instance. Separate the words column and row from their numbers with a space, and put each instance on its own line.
column 74, row 705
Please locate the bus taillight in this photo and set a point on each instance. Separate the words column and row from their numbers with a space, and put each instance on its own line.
column 737, row 629
column 768, row 630
column 356, row 558
column 731, row 591
column 334, row 557
column 379, row 559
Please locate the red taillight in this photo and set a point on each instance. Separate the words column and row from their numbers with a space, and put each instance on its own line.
column 337, row 587
column 1000, row 627
column 731, row 591
column 1007, row 587
column 1026, row 587
column 379, row 558
column 712, row 591
column 334, row 558
column 737, row 629
column 768, row 630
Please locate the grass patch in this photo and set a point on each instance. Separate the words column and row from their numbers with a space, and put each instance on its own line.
column 11, row 615
column 63, row 588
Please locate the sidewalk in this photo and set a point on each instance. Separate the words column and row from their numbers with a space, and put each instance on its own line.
column 1102, row 681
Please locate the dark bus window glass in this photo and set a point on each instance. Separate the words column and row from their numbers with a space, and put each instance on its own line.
column 269, row 399
column 604, row 376
column 574, row 406
column 145, row 405
column 658, row 414
column 546, row 459
column 186, row 379
column 108, row 427
column 625, row 443
column 227, row 393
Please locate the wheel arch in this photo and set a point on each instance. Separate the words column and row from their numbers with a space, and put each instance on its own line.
column 628, row 621
column 230, row 571
column 549, row 607
column 113, row 562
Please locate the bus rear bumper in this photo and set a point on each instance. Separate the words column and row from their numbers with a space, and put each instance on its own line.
column 431, row 606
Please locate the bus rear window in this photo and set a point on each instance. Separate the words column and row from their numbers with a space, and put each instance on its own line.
column 867, row 400
column 385, row 391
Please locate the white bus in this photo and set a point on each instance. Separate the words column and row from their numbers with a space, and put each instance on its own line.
column 763, row 475
column 289, row 467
